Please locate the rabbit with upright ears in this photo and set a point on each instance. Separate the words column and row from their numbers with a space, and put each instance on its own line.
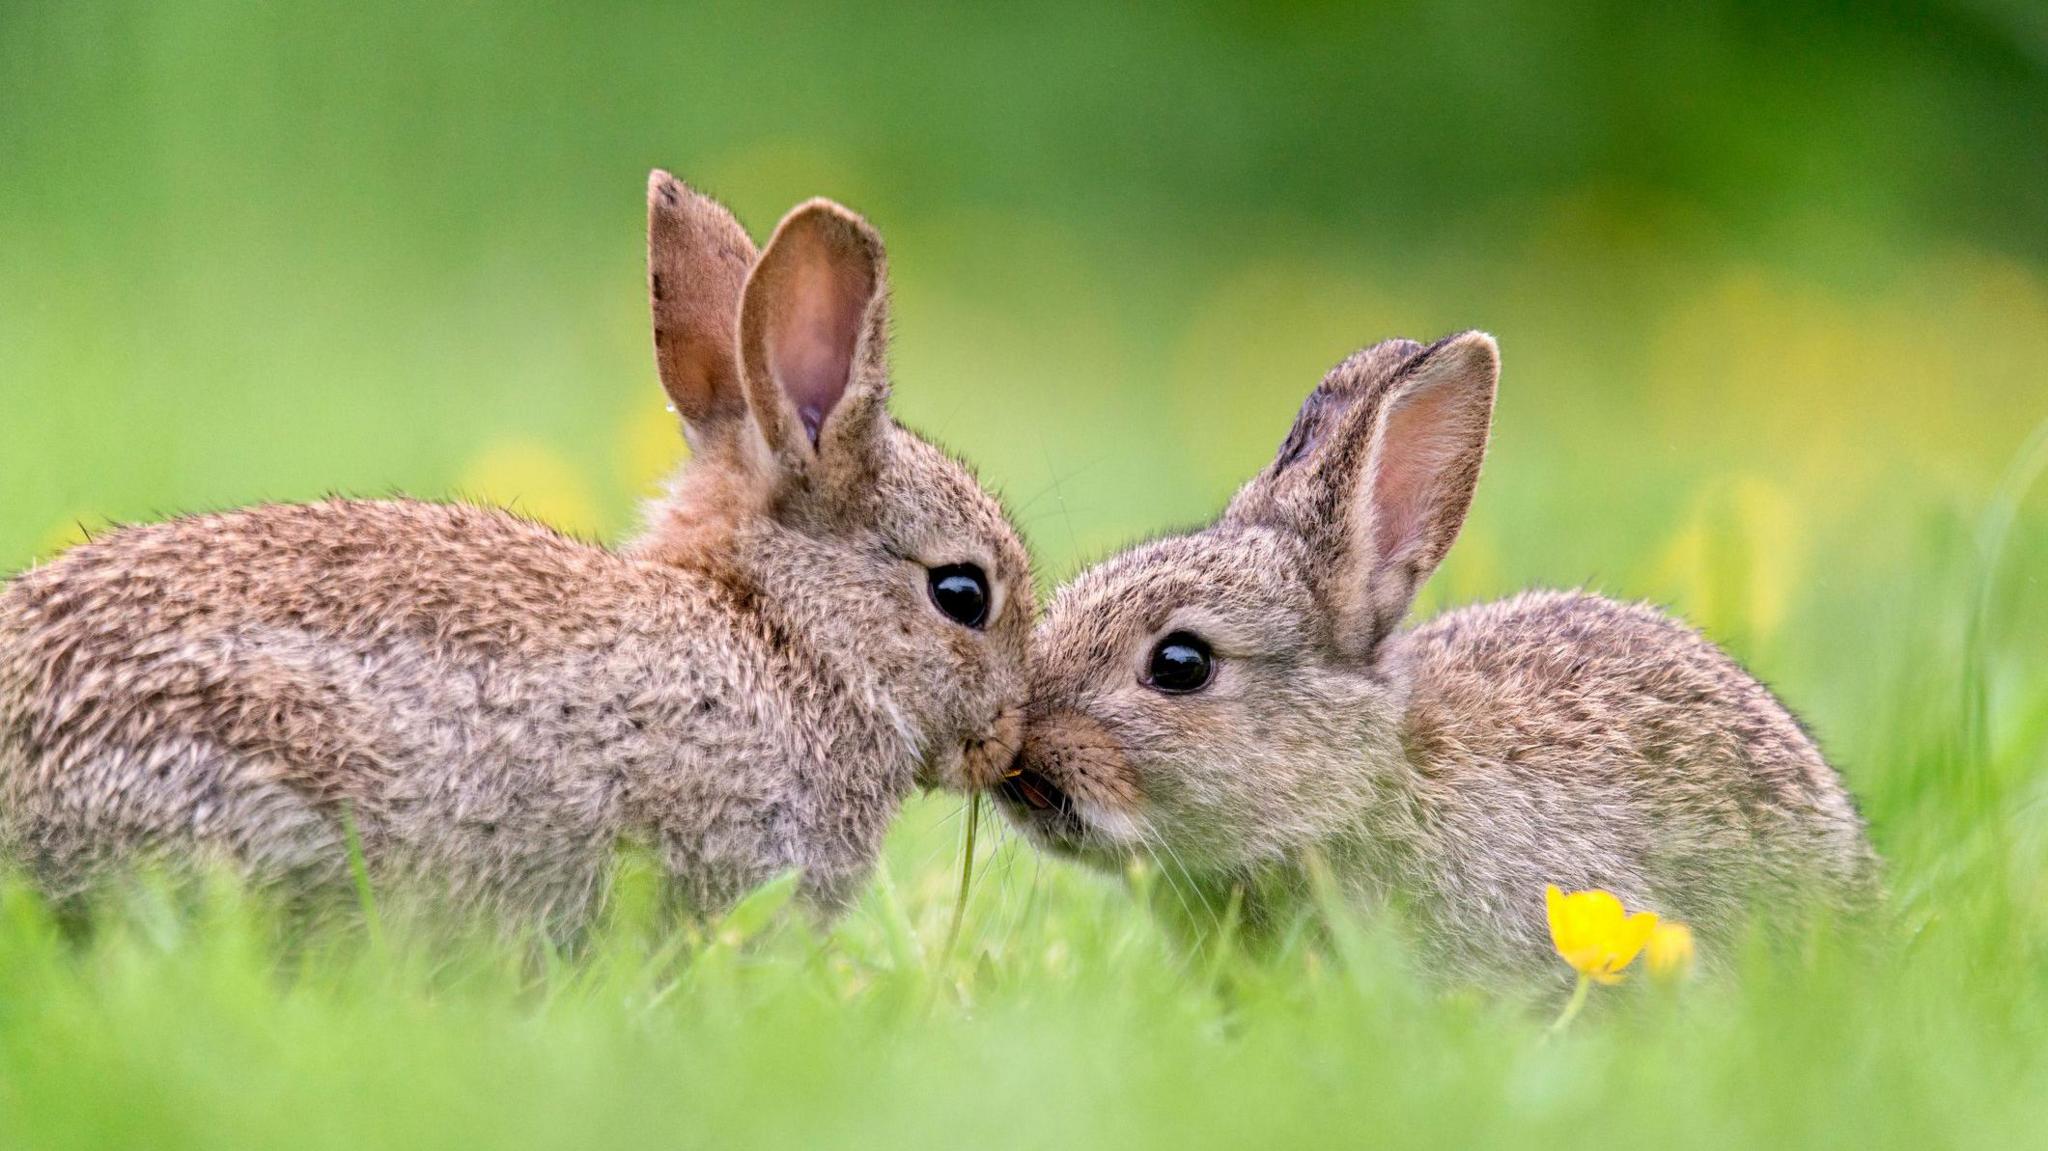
column 1241, row 701
column 823, row 612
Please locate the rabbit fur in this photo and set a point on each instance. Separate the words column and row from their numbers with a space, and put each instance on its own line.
column 751, row 686
column 1454, row 769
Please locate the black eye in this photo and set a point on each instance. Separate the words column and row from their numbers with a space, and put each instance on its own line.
column 961, row 591
column 1179, row 663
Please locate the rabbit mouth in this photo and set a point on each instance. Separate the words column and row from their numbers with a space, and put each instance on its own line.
column 1028, row 789
column 1044, row 810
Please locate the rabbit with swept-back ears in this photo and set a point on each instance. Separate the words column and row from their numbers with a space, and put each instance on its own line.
column 1240, row 701
column 823, row 612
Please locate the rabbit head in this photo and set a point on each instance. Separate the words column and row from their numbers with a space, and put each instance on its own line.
column 872, row 552
column 1217, row 699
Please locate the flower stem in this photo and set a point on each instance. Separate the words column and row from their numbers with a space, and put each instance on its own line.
column 1571, row 1006
column 966, row 874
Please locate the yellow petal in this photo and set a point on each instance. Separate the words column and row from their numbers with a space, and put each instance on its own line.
column 1601, row 912
column 1555, row 907
column 1569, row 932
column 1586, row 927
column 1578, row 953
column 1595, row 933
column 1629, row 938
column 1670, row 951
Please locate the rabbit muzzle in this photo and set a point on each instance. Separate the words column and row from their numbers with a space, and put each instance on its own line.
column 986, row 758
column 979, row 761
column 1070, row 788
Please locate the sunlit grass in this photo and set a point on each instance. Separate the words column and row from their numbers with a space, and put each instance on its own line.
column 1062, row 1012
column 1066, row 1015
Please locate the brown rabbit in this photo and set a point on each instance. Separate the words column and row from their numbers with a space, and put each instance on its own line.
column 824, row 611
column 1238, row 701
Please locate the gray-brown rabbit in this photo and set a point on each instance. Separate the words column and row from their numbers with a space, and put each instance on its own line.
column 823, row 612
column 1236, row 701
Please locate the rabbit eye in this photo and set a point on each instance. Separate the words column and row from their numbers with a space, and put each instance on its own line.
column 1180, row 663
column 961, row 591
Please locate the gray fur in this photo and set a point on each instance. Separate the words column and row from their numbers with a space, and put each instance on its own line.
column 754, row 685
column 1454, row 769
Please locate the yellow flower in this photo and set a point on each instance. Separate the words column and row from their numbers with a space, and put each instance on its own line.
column 1669, row 952
column 1595, row 934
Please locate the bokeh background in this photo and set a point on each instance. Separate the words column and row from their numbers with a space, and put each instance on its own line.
column 1771, row 280
column 1771, row 284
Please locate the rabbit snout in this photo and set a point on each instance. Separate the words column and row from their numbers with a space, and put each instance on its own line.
column 979, row 760
column 1071, row 786
column 986, row 758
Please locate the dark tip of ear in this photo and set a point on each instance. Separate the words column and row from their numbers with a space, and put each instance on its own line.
column 1469, row 350
column 1316, row 413
column 676, row 209
column 1357, row 375
column 1371, row 367
column 664, row 189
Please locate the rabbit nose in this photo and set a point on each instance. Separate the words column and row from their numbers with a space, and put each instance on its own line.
column 988, row 758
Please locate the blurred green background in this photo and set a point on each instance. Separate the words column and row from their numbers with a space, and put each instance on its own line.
column 1770, row 280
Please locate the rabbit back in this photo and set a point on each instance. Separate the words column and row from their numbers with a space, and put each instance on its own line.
column 494, row 705
column 1561, row 737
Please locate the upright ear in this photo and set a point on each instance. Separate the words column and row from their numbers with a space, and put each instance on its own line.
column 813, row 332
column 1427, row 440
column 698, row 257
column 1377, row 474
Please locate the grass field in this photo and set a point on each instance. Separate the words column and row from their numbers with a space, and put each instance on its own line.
column 1771, row 285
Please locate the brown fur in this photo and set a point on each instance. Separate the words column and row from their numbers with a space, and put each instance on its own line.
column 754, row 685
column 1455, row 769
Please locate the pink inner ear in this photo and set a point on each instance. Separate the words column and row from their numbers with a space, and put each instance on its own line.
column 811, row 343
column 1425, row 451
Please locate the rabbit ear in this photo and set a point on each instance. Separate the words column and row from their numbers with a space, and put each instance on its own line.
column 1377, row 474
column 813, row 332
column 698, row 257
column 1329, row 407
column 1428, row 439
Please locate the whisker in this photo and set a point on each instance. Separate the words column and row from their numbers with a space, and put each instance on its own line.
column 940, row 846
column 1053, row 485
column 1215, row 920
column 1059, row 495
column 1166, row 874
column 1031, row 892
column 1002, row 848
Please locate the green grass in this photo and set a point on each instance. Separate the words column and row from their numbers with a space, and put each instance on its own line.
column 1771, row 284
column 1064, row 1018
